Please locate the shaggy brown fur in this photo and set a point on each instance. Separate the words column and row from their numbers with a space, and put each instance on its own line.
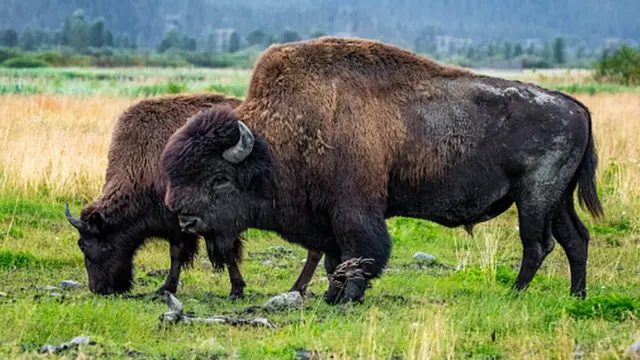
column 131, row 208
column 365, row 81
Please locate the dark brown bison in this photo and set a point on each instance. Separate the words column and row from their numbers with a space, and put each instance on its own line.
column 131, row 208
column 336, row 135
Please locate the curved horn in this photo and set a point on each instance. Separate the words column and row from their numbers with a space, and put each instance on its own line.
column 77, row 223
column 242, row 149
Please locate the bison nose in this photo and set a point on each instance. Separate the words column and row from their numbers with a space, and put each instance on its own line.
column 188, row 223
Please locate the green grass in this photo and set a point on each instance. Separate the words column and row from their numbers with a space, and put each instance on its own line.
column 411, row 311
column 158, row 81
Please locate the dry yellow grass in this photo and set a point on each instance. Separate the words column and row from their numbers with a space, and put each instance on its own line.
column 57, row 145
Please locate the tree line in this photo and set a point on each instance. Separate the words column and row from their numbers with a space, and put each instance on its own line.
column 81, row 40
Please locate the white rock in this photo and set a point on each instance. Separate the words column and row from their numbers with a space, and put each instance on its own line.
column 424, row 257
column 80, row 340
column 3, row 294
column 71, row 284
column 633, row 351
column 285, row 300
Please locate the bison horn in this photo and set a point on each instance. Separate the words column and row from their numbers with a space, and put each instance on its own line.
column 242, row 149
column 77, row 223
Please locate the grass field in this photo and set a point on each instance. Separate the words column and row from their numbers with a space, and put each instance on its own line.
column 53, row 146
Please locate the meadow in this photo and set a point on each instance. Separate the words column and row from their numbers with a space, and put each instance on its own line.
column 55, row 129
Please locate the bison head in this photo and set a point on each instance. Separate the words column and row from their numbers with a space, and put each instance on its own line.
column 109, row 264
column 219, row 174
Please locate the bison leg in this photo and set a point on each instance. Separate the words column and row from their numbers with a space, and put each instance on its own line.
column 573, row 236
column 183, row 248
column 230, row 256
column 366, row 246
column 535, row 233
column 313, row 258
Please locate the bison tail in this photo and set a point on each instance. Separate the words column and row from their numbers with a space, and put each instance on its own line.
column 587, row 193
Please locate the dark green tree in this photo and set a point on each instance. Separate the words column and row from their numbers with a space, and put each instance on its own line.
column 491, row 50
column 234, row 42
column 256, row 37
column 517, row 50
column 508, row 50
column 170, row 40
column 288, row 36
column 8, row 38
column 108, row 38
column 27, row 40
column 559, row 51
column 96, row 33
column 187, row 43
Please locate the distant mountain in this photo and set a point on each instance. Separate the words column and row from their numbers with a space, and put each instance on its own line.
column 585, row 22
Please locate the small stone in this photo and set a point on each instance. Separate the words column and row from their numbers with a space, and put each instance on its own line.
column 633, row 351
column 3, row 294
column 459, row 267
column 420, row 256
column 80, row 340
column 49, row 349
column 285, row 300
column 158, row 273
column 71, row 284
column 267, row 263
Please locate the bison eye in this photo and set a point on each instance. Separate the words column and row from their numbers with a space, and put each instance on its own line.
column 219, row 179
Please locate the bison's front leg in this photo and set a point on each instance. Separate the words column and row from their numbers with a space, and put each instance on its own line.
column 227, row 251
column 366, row 246
column 183, row 248
column 313, row 258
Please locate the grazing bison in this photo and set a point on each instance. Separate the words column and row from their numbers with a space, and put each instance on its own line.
column 336, row 135
column 131, row 208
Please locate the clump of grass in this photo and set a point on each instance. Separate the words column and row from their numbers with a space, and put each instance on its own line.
column 609, row 307
column 15, row 259
column 237, row 90
column 156, row 89
column 19, row 89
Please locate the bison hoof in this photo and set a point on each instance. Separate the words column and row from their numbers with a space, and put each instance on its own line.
column 333, row 295
column 354, row 291
column 236, row 296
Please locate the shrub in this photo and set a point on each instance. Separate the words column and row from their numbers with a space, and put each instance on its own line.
column 610, row 308
column 622, row 67
column 10, row 259
column 23, row 62
column 6, row 54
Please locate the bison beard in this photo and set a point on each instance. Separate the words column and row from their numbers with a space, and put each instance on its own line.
column 337, row 135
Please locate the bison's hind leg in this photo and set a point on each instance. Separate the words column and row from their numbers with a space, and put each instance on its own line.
column 538, row 195
column 573, row 236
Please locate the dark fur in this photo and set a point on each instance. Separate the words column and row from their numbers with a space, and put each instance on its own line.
column 351, row 132
column 131, row 207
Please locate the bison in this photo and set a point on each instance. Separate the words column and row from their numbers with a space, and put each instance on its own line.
column 131, row 208
column 336, row 135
